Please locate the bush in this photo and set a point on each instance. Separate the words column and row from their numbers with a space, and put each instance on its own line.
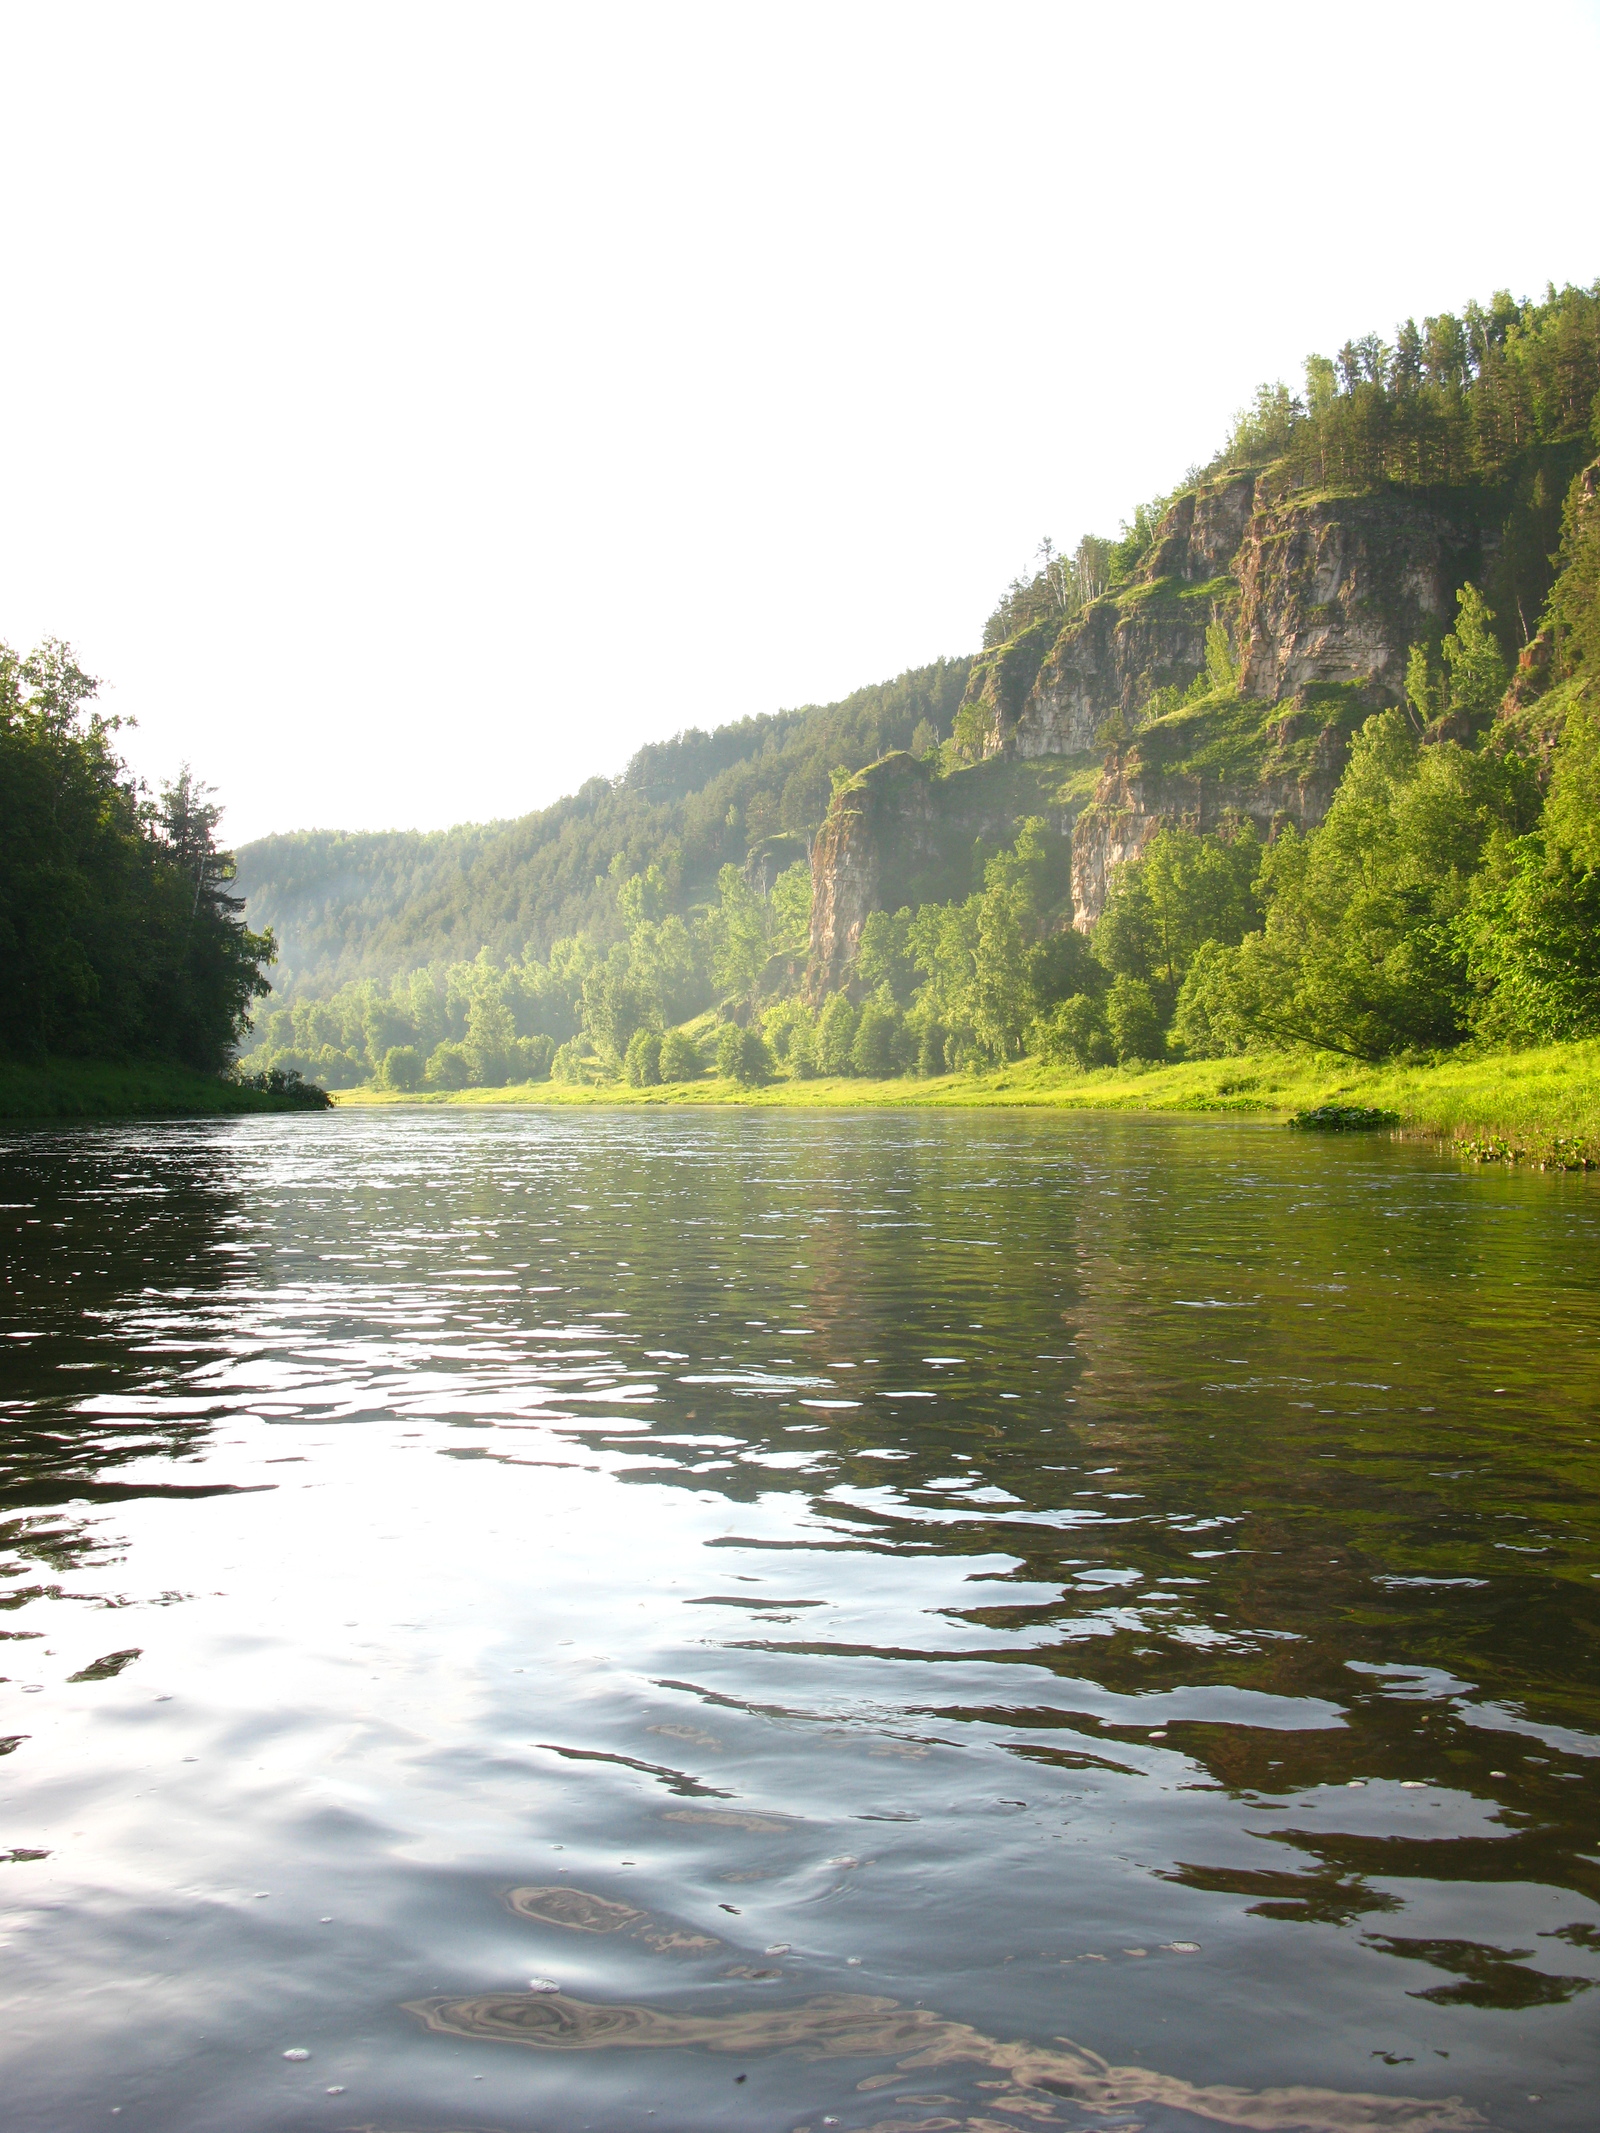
column 1075, row 1034
column 742, row 1055
column 680, row 1057
column 836, row 1032
column 783, row 1023
column 449, row 1066
column 802, row 1061
column 534, row 1055
column 872, row 1049
column 567, row 1064
column 1209, row 1022
column 1133, row 1021
column 402, row 1067
column 642, row 1063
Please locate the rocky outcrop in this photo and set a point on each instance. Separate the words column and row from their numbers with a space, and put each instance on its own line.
column 1338, row 589
column 1150, row 635
column 1322, row 597
column 887, row 809
column 1129, row 808
column 899, row 833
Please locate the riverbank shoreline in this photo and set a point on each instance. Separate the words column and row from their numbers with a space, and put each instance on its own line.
column 83, row 1089
column 1527, row 1100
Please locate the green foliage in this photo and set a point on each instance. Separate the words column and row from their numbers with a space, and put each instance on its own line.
column 1363, row 951
column 680, row 1058
column 450, row 1067
column 1183, row 891
column 743, row 1056
column 1060, row 589
column 1475, row 673
column 491, row 1040
column 1343, row 1118
column 931, row 1060
column 791, row 1029
column 1208, row 1022
column 402, row 1068
column 1572, row 809
column 1076, row 1033
column 1134, row 1021
column 119, row 933
column 836, row 1032
column 642, row 1066
column 1457, row 399
column 883, row 957
column 789, row 925
column 1574, row 606
column 877, row 1048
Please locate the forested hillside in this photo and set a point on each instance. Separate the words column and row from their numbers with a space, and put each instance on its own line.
column 345, row 907
column 1307, row 756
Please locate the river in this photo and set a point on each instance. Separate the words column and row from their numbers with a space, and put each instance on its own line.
column 595, row 1623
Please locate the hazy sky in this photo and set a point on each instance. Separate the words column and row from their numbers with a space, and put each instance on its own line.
column 411, row 409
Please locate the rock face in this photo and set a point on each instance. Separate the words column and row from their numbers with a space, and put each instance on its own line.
column 899, row 833
column 1127, row 810
column 1322, row 597
column 873, row 818
column 1338, row 591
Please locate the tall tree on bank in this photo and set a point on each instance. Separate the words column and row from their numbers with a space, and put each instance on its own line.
column 119, row 937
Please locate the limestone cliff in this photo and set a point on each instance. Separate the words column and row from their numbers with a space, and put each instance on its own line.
column 900, row 833
column 1321, row 596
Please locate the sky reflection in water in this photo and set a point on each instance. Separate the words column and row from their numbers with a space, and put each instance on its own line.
column 763, row 1620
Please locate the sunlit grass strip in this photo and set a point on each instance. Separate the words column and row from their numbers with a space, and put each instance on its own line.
column 1524, row 1098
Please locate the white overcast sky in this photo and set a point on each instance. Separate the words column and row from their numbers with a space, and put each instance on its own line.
column 411, row 409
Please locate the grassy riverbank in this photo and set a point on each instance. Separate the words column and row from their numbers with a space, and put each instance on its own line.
column 70, row 1088
column 1525, row 1098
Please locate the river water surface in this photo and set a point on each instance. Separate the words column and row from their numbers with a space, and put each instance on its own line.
column 518, row 1620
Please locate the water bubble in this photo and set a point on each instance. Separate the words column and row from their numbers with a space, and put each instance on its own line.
column 1181, row 1947
column 1413, row 1784
column 298, row 2052
column 779, row 1947
column 543, row 1984
column 336, row 2090
column 852, row 1960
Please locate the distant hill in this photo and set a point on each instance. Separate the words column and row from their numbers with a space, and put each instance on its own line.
column 347, row 905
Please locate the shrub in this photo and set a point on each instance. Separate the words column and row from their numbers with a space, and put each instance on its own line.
column 534, row 1055
column 783, row 1023
column 742, row 1055
column 1133, row 1021
column 1075, row 1034
column 930, row 1051
column 1209, row 1022
column 567, row 1064
column 872, row 1049
column 642, row 1063
column 680, row 1057
column 402, row 1067
column 802, row 1060
column 449, row 1066
column 836, row 1032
